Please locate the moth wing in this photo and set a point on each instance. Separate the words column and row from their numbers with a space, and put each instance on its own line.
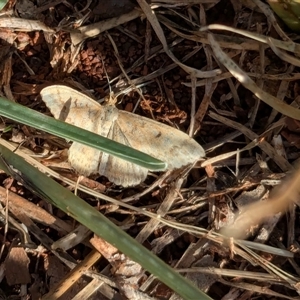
column 84, row 159
column 77, row 109
column 71, row 106
column 117, row 170
column 159, row 140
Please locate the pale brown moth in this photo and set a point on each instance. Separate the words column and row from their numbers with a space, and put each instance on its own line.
column 151, row 137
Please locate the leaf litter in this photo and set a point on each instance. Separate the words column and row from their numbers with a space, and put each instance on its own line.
column 184, row 216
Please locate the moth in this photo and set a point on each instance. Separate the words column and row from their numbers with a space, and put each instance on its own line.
column 161, row 141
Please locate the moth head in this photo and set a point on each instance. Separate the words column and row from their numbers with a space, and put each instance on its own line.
column 110, row 99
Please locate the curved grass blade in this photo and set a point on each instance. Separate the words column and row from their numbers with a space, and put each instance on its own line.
column 248, row 83
column 37, row 120
column 81, row 211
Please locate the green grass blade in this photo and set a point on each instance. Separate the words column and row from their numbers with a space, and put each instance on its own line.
column 37, row 120
column 74, row 206
column 3, row 3
column 288, row 12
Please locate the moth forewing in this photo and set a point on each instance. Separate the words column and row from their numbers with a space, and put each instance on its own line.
column 62, row 100
column 159, row 140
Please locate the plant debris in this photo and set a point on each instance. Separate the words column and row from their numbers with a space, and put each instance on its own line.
column 225, row 73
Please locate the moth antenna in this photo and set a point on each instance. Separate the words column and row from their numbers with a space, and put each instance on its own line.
column 132, row 86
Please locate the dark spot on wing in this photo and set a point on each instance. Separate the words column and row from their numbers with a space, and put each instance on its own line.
column 65, row 110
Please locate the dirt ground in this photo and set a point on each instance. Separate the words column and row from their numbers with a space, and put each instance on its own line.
column 128, row 58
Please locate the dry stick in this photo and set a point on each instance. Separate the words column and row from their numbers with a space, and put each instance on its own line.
column 156, row 183
column 88, row 31
column 283, row 85
column 282, row 196
column 211, row 188
column 291, row 225
column 70, row 279
column 282, row 91
column 209, row 89
column 228, row 138
column 121, row 266
column 199, row 115
column 130, row 34
column 24, row 25
column 286, row 45
column 283, row 55
column 193, row 106
column 17, row 203
column 196, row 117
column 148, row 39
column 201, row 112
column 253, row 289
column 260, row 81
column 11, row 222
column 248, row 83
column 64, row 257
column 233, row 89
column 244, row 161
column 151, row 16
column 223, row 156
column 162, row 211
column 92, row 287
column 271, row 268
column 6, row 77
column 48, row 6
column 265, row 146
column 271, row 18
column 237, row 43
column 260, row 276
column 122, row 69
column 276, row 77
column 164, row 70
